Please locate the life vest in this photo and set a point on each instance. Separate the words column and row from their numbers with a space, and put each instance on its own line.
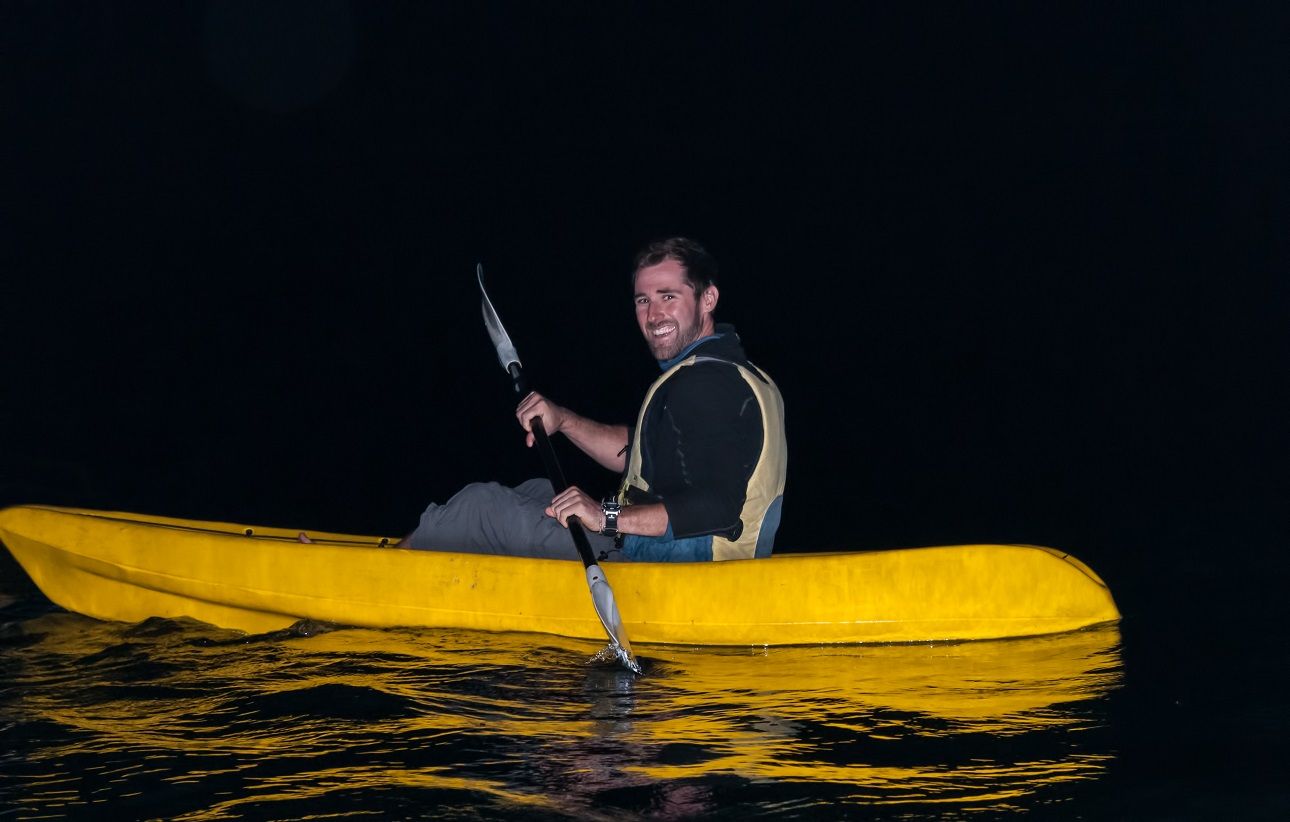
column 765, row 488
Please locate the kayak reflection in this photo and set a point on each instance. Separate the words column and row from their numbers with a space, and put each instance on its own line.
column 302, row 720
column 880, row 724
column 897, row 724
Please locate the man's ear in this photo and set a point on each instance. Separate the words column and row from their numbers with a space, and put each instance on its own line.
column 709, row 299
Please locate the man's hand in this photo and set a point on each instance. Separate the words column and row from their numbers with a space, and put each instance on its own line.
column 536, row 405
column 605, row 444
column 572, row 502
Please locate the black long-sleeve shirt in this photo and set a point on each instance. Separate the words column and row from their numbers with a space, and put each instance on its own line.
column 701, row 440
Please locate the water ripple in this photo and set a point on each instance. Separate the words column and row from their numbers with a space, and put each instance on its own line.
column 175, row 719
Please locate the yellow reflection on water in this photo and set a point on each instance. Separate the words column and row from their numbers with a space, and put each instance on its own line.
column 524, row 720
column 797, row 713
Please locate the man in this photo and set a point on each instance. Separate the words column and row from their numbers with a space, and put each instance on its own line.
column 702, row 468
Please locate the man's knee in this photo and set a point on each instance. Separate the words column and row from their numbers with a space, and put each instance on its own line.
column 538, row 488
column 478, row 493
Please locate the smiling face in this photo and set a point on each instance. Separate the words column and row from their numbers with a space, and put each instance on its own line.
column 669, row 313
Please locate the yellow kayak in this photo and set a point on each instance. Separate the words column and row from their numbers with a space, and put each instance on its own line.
column 128, row 567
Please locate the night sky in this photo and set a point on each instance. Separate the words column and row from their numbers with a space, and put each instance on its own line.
column 1020, row 273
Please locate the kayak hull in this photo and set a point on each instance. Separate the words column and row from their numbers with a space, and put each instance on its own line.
column 128, row 567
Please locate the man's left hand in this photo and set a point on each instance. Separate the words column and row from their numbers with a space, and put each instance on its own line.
column 572, row 502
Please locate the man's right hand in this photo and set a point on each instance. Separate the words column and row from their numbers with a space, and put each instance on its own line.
column 536, row 405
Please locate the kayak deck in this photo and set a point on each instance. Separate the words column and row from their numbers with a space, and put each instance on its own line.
column 128, row 567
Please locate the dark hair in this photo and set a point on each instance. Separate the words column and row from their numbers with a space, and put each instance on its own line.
column 700, row 267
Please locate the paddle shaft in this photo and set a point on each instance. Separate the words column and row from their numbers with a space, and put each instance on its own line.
column 553, row 470
column 602, row 596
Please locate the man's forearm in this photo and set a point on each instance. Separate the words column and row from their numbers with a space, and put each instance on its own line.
column 647, row 520
column 606, row 444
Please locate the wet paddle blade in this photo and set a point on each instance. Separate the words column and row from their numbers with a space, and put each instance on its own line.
column 501, row 340
column 602, row 596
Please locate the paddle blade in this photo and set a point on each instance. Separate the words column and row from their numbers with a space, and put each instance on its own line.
column 501, row 340
column 602, row 596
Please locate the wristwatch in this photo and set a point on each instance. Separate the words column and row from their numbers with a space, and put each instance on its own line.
column 610, row 507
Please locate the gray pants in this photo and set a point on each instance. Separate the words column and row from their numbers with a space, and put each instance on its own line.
column 490, row 518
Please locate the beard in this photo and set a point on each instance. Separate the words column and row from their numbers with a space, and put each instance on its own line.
column 669, row 347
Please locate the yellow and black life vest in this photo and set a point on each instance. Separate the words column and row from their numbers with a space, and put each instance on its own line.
column 766, row 484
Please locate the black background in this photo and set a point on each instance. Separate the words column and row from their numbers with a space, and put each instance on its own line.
column 1018, row 271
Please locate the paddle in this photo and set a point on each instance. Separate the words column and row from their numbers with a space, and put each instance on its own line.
column 602, row 596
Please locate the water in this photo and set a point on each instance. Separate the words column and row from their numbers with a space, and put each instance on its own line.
column 181, row 720
column 1157, row 718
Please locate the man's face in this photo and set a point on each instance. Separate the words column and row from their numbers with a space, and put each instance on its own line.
column 666, row 309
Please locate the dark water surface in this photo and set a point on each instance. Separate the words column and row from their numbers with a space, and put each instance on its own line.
column 181, row 720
